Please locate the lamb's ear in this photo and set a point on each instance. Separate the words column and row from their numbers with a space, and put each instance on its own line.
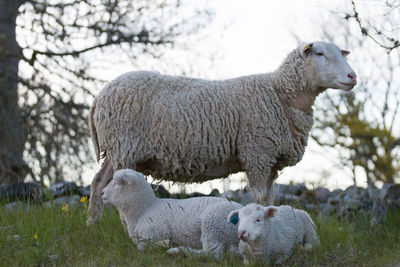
column 307, row 48
column 233, row 217
column 345, row 53
column 122, row 180
column 270, row 212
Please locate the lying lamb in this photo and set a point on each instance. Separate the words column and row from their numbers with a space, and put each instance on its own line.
column 192, row 130
column 198, row 224
column 270, row 233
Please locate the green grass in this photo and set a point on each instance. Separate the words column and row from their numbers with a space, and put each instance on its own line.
column 50, row 236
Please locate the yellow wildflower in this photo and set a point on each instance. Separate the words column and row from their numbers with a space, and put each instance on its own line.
column 65, row 208
column 35, row 236
column 83, row 199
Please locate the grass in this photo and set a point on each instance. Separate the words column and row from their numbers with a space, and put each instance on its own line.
column 59, row 237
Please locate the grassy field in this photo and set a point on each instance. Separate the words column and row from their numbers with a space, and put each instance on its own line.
column 59, row 237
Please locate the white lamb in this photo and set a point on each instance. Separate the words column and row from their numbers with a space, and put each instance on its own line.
column 198, row 224
column 192, row 130
column 270, row 233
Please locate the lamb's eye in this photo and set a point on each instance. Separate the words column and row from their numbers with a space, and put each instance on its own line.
column 258, row 220
column 320, row 54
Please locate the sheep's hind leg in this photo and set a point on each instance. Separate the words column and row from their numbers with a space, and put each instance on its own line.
column 100, row 180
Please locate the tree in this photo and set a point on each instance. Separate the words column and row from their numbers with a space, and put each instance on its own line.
column 47, row 77
column 363, row 125
column 380, row 33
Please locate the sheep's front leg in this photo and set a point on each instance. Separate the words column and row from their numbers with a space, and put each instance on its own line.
column 262, row 186
column 100, row 180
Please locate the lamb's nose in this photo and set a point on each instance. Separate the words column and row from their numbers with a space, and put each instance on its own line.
column 102, row 193
column 241, row 234
column 353, row 77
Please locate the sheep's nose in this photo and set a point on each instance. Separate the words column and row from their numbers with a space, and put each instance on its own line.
column 353, row 77
column 241, row 235
column 102, row 193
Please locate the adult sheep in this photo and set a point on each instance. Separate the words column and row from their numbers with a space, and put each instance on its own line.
column 193, row 130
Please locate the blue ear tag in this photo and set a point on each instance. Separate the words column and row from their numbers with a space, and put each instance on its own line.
column 234, row 219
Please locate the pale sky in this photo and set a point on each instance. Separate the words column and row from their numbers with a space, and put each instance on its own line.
column 250, row 37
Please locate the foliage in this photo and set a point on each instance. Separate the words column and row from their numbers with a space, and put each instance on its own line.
column 64, row 46
column 363, row 124
column 51, row 236
column 383, row 33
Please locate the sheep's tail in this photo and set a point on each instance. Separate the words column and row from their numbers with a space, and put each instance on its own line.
column 93, row 132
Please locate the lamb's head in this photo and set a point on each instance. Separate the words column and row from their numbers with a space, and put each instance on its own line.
column 253, row 221
column 325, row 66
column 127, row 186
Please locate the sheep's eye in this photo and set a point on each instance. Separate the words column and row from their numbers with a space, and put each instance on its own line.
column 258, row 220
column 320, row 54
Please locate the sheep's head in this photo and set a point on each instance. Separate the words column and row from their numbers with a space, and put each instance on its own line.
column 326, row 66
column 253, row 220
column 126, row 186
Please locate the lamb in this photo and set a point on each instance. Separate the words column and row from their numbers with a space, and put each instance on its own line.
column 270, row 233
column 196, row 224
column 192, row 130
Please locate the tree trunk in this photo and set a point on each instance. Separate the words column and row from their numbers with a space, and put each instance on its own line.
column 12, row 137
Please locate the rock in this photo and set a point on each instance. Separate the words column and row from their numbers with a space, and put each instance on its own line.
column 84, row 191
column 63, row 189
column 337, row 192
column 72, row 201
column 6, row 228
column 160, row 191
column 378, row 212
column 374, row 193
column 281, row 189
column 53, row 258
column 393, row 193
column 22, row 191
column 352, row 202
column 284, row 189
column 16, row 205
column 196, row 194
column 322, row 194
column 308, row 196
column 240, row 196
column 214, row 193
column 309, row 206
column 325, row 209
column 247, row 198
column 288, row 198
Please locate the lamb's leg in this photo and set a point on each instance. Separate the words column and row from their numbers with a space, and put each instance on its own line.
column 310, row 237
column 100, row 180
column 216, row 252
column 187, row 251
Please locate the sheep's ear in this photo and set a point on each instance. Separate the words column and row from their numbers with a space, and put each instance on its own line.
column 270, row 212
column 233, row 217
column 307, row 48
column 123, row 181
column 345, row 53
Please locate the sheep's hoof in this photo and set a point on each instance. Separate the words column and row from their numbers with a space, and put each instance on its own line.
column 307, row 246
column 91, row 221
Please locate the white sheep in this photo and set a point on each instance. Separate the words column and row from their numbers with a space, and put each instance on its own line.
column 193, row 130
column 270, row 233
column 197, row 224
